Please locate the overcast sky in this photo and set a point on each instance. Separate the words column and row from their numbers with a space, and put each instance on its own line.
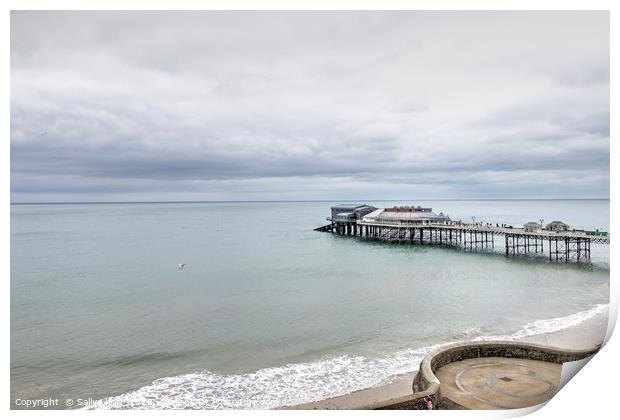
column 140, row 106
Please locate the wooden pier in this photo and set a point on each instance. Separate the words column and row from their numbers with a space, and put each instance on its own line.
column 558, row 246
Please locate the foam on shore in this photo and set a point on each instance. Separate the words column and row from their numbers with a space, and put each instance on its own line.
column 305, row 382
column 548, row 326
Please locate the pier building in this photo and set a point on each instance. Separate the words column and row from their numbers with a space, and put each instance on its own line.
column 421, row 226
column 532, row 227
column 406, row 214
column 344, row 217
column 557, row 225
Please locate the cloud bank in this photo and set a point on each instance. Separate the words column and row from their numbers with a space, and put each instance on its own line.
column 135, row 106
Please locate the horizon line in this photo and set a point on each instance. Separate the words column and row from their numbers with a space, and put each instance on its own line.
column 300, row 201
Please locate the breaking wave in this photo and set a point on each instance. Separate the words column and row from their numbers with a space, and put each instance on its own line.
column 303, row 382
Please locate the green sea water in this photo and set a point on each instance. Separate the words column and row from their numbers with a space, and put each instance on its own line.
column 267, row 312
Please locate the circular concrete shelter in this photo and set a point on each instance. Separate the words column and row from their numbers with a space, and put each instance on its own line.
column 498, row 383
column 488, row 375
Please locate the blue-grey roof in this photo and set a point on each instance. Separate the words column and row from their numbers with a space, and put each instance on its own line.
column 349, row 206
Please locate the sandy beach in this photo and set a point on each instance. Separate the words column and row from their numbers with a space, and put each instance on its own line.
column 328, row 332
column 587, row 334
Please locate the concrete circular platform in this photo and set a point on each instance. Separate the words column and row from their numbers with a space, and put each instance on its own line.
column 498, row 382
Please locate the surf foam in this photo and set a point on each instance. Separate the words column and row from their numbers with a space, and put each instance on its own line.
column 302, row 382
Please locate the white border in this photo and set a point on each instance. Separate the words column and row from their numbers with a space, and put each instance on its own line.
column 596, row 381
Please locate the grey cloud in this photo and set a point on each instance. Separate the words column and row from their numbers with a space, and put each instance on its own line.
column 244, row 104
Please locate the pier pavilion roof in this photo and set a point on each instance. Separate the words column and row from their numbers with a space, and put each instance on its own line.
column 349, row 206
column 425, row 216
column 557, row 225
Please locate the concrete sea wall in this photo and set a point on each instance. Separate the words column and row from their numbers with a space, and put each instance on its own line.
column 426, row 384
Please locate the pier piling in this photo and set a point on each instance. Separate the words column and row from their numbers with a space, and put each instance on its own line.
column 562, row 246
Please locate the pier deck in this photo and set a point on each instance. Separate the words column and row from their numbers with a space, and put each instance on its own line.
column 499, row 230
column 560, row 245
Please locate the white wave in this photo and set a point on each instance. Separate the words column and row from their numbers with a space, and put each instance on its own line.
column 546, row 326
column 269, row 387
column 302, row 382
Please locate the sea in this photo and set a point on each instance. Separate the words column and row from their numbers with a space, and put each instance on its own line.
column 266, row 312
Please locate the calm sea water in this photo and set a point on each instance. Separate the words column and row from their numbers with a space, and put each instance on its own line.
column 267, row 312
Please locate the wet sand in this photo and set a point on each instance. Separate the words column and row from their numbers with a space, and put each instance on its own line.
column 587, row 334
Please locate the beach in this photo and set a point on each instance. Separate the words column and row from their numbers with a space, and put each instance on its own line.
column 266, row 315
column 277, row 209
column 587, row 334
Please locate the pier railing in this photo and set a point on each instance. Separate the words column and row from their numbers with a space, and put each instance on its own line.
column 605, row 239
column 558, row 245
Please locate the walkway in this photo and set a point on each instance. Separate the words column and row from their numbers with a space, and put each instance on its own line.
column 496, row 382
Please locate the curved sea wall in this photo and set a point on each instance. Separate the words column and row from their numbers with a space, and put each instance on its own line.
column 426, row 384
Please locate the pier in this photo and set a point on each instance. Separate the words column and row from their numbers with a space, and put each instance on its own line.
column 420, row 226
